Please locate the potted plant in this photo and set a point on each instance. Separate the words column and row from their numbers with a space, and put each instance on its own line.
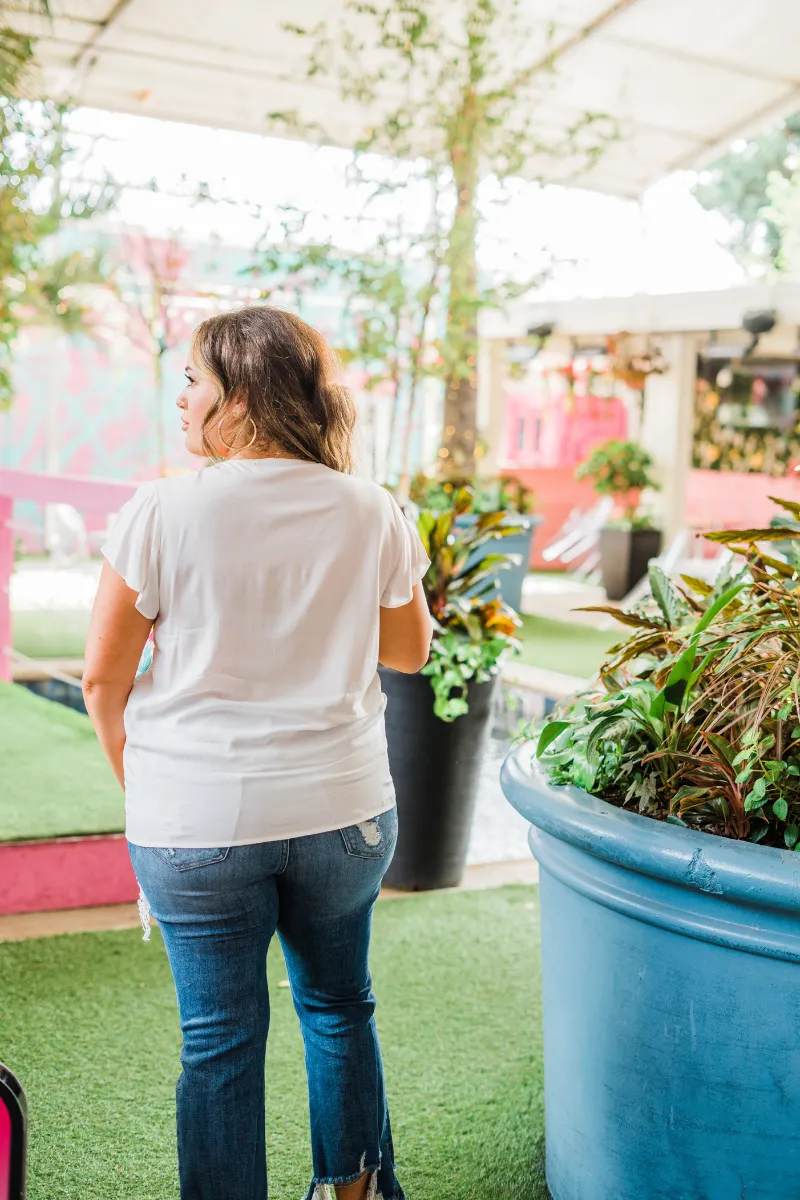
column 665, row 806
column 490, row 495
column 629, row 541
column 437, row 723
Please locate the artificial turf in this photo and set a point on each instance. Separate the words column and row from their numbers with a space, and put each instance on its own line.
column 54, row 779
column 565, row 646
column 50, row 633
column 89, row 1022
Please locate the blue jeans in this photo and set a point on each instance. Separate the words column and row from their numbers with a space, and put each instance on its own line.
column 218, row 909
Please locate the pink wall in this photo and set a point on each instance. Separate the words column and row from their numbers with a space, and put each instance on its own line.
column 714, row 500
column 557, row 493
column 548, row 430
column 730, row 500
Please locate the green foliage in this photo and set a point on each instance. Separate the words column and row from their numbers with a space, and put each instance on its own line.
column 737, row 184
column 719, row 446
column 459, row 93
column 490, row 495
column 472, row 634
column 36, row 198
column 696, row 718
column 617, row 468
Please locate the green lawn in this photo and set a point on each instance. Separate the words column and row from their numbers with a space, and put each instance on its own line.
column 89, row 1022
column 565, row 646
column 50, row 633
column 54, row 779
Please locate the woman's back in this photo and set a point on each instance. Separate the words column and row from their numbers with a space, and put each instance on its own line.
column 252, row 751
column 262, row 717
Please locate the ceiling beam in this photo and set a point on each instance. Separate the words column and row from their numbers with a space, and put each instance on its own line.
column 581, row 35
column 82, row 63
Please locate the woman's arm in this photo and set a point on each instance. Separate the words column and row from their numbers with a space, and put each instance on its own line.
column 405, row 636
column 114, row 644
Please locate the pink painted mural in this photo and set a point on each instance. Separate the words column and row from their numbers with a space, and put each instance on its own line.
column 551, row 425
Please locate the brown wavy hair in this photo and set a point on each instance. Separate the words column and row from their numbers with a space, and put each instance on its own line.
column 284, row 374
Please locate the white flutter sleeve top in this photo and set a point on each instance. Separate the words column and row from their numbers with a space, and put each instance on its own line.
column 262, row 715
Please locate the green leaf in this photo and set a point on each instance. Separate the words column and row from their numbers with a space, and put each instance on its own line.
column 668, row 600
column 723, row 749
column 780, row 808
column 721, row 602
column 678, row 678
column 788, row 505
column 674, row 692
column 635, row 620
column 610, row 729
column 549, row 734
column 757, row 796
column 697, row 585
column 790, row 835
column 733, row 537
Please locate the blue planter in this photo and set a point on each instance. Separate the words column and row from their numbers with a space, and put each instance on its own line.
column 511, row 579
column 671, row 990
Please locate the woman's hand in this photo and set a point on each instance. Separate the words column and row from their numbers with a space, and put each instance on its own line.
column 114, row 644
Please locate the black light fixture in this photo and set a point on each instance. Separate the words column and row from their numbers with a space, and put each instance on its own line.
column 756, row 322
column 524, row 352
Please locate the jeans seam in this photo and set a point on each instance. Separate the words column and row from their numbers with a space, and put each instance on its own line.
column 284, row 857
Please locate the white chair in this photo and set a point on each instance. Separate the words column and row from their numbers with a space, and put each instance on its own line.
column 580, row 532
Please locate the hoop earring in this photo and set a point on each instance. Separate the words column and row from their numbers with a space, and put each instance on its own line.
column 240, row 448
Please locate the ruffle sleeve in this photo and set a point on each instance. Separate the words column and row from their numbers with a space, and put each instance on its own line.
column 133, row 547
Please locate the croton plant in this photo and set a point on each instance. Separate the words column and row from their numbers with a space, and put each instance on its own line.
column 473, row 629
column 695, row 718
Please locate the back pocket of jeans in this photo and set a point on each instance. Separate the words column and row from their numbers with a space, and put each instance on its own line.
column 188, row 858
column 373, row 838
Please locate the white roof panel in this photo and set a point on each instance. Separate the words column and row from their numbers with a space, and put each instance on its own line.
column 681, row 77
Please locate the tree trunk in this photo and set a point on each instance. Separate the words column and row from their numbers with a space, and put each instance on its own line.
column 460, row 349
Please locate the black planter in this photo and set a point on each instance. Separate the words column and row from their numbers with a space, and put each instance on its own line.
column 624, row 555
column 436, row 770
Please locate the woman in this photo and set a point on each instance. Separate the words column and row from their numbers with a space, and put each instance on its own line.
column 252, row 753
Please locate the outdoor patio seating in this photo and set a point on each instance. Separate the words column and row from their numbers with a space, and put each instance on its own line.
column 578, row 537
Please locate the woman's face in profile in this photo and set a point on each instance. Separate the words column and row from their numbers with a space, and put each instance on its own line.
column 194, row 402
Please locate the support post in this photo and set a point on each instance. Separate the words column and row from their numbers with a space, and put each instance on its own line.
column 668, row 427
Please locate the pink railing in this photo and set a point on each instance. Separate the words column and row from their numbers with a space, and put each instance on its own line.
column 89, row 495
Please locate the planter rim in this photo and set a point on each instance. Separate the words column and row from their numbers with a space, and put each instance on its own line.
column 734, row 870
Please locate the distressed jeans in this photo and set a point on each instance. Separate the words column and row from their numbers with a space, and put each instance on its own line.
column 217, row 909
